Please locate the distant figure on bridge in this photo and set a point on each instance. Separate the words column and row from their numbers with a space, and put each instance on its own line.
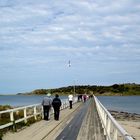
column 91, row 96
column 84, row 97
column 70, row 98
column 79, row 98
column 47, row 102
column 56, row 103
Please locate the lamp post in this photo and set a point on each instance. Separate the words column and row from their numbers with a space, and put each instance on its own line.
column 74, row 88
column 69, row 65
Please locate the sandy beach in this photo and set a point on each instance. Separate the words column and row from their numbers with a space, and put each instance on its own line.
column 129, row 121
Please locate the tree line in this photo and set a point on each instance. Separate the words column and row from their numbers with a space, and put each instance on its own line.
column 116, row 89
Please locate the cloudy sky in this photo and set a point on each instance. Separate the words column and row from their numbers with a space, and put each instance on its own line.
column 101, row 38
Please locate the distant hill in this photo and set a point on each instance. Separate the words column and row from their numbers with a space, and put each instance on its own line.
column 116, row 89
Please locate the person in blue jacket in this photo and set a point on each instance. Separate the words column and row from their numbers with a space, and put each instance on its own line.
column 56, row 103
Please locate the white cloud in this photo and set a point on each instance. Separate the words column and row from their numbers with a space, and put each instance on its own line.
column 37, row 32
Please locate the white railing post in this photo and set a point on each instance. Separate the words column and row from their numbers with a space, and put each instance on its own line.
column 35, row 113
column 64, row 104
column 105, row 123
column 11, row 116
column 13, row 120
column 25, row 115
column 108, row 126
column 115, row 134
column 42, row 112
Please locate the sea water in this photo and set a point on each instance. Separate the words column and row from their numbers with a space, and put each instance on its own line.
column 119, row 103
column 129, row 104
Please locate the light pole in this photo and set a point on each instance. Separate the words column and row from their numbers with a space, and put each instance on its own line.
column 74, row 88
column 69, row 65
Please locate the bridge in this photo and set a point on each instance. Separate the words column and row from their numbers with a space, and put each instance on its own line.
column 86, row 121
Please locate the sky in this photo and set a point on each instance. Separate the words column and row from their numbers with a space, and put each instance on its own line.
column 38, row 38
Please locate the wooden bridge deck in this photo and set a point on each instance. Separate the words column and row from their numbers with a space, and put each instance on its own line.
column 79, row 123
column 91, row 127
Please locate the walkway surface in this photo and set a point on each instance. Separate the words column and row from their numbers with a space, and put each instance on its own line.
column 79, row 123
column 91, row 127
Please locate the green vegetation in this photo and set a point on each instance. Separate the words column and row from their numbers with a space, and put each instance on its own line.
column 116, row 89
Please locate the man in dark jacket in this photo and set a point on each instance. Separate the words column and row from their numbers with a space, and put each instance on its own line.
column 56, row 103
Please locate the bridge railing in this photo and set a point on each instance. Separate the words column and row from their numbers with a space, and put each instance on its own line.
column 112, row 129
column 28, row 112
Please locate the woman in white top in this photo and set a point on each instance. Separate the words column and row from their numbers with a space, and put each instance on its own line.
column 70, row 97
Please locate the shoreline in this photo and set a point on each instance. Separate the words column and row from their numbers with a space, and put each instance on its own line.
column 129, row 121
column 122, row 115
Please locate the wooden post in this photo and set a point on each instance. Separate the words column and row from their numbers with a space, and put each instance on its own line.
column 42, row 112
column 115, row 134
column 108, row 126
column 11, row 116
column 35, row 113
column 13, row 120
column 25, row 115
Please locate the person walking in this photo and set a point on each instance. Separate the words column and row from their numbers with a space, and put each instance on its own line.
column 47, row 102
column 56, row 103
column 70, row 98
column 84, row 98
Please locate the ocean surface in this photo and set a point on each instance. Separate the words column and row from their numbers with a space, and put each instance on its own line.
column 129, row 104
column 23, row 100
column 119, row 103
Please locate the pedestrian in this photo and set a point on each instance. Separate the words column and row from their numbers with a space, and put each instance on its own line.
column 47, row 102
column 84, row 97
column 70, row 98
column 79, row 97
column 56, row 103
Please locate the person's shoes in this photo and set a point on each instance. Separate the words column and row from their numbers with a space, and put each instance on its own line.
column 47, row 119
column 56, row 119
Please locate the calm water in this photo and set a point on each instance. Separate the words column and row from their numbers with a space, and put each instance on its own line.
column 120, row 103
column 21, row 100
